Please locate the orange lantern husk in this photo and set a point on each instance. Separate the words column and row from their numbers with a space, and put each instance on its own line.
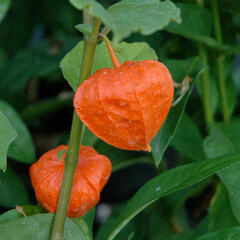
column 92, row 173
column 126, row 105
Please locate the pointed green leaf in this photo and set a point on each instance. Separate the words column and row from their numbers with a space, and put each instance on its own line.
column 224, row 139
column 22, row 149
column 7, row 136
column 145, row 16
column 60, row 154
column 125, row 17
column 71, row 63
column 192, row 68
column 95, row 9
column 84, row 28
column 167, row 183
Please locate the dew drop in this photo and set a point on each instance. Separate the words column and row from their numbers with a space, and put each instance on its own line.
column 104, row 72
column 122, row 104
column 83, row 207
column 158, row 189
column 132, row 142
column 117, row 83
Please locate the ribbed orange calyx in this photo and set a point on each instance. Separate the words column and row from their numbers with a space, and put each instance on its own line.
column 92, row 173
column 126, row 106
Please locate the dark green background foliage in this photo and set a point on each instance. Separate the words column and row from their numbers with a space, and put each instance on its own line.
column 188, row 188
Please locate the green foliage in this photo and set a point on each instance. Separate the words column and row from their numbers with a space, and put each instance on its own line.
column 188, row 139
column 7, row 136
column 214, row 221
column 196, row 25
column 177, row 201
column 22, row 148
column 39, row 227
column 165, row 135
column 14, row 214
column 125, row 17
column 33, row 62
column 89, row 138
column 89, row 219
column 4, row 6
column 146, row 16
column 71, row 63
column 224, row 139
column 134, row 230
column 13, row 191
column 225, row 234
column 169, row 182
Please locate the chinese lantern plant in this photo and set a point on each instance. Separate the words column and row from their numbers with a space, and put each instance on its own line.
column 128, row 101
column 92, row 172
column 126, row 106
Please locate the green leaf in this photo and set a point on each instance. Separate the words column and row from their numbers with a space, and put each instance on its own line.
column 188, row 139
column 224, row 139
column 145, row 16
column 195, row 20
column 177, row 200
column 196, row 25
column 60, row 154
column 71, row 63
column 14, row 214
column 89, row 219
column 89, row 138
column 220, row 206
column 95, row 9
column 4, row 6
column 36, row 61
column 22, row 149
column 159, row 226
column 125, row 17
column 167, row 183
column 84, row 28
column 13, row 191
column 166, row 133
column 39, row 227
column 7, row 136
column 224, row 234
column 134, row 230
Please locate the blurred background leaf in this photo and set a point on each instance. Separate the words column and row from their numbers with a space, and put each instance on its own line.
column 7, row 135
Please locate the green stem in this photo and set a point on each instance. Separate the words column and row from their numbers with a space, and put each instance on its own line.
column 220, row 61
column 205, row 82
column 71, row 159
column 206, row 88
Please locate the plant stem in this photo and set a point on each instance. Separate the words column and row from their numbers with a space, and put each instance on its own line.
column 220, row 61
column 205, row 82
column 71, row 159
column 206, row 88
